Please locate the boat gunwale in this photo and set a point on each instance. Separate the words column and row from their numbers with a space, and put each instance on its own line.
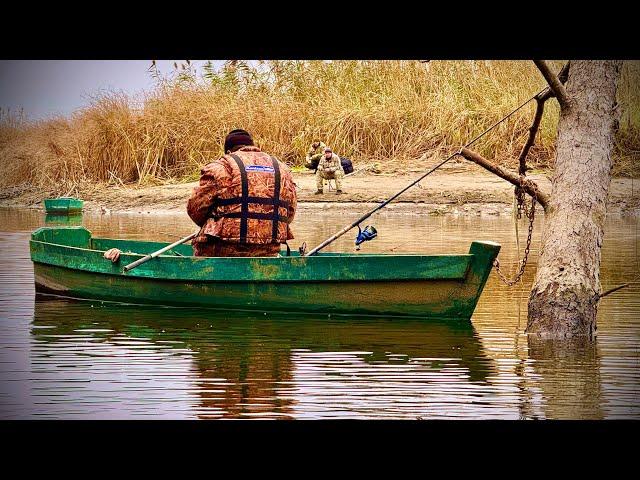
column 319, row 255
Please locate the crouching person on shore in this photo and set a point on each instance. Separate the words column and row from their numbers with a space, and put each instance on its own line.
column 244, row 203
column 329, row 167
column 313, row 158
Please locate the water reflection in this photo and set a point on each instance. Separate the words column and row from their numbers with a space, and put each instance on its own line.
column 247, row 365
column 52, row 220
column 65, row 359
column 569, row 376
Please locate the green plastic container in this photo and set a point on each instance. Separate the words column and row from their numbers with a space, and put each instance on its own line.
column 63, row 206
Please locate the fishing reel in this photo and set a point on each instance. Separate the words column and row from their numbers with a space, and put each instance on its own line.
column 369, row 233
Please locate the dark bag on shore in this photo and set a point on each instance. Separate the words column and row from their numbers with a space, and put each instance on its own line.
column 347, row 166
column 313, row 165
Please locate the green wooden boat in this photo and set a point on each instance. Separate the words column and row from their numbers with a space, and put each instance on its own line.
column 63, row 206
column 69, row 262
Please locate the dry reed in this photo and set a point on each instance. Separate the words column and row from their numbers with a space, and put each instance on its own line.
column 366, row 110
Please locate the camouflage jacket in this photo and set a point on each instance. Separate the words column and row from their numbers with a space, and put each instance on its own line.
column 331, row 165
column 312, row 151
column 216, row 203
column 313, row 157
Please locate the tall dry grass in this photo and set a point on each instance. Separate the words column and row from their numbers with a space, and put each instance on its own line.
column 366, row 110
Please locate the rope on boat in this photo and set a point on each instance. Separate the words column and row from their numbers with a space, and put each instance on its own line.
column 415, row 182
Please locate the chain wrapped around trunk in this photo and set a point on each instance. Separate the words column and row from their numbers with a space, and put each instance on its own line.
column 531, row 216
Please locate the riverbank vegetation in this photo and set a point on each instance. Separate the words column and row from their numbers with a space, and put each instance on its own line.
column 400, row 114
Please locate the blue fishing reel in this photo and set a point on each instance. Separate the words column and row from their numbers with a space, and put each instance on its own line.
column 369, row 233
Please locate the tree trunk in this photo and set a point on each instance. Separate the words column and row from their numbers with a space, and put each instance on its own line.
column 565, row 294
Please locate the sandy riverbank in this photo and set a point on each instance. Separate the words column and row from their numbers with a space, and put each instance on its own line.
column 458, row 188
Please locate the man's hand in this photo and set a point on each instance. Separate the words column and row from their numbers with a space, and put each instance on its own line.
column 112, row 254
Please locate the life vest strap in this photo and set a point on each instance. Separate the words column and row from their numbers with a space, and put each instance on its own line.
column 223, row 202
column 244, row 204
column 244, row 215
column 276, row 200
column 256, row 216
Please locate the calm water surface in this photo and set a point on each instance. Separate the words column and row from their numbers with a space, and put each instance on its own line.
column 66, row 359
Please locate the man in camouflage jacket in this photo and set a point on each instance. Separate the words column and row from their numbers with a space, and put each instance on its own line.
column 244, row 203
column 329, row 167
column 313, row 158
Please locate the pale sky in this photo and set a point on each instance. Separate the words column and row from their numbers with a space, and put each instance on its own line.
column 46, row 88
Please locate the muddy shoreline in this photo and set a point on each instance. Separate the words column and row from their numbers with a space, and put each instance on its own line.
column 459, row 189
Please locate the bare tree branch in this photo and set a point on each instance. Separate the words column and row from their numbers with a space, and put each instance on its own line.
column 554, row 83
column 610, row 291
column 563, row 75
column 528, row 186
column 533, row 129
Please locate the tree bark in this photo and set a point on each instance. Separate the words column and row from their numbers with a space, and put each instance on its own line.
column 565, row 294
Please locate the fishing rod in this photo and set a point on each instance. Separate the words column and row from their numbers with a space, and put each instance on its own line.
column 386, row 202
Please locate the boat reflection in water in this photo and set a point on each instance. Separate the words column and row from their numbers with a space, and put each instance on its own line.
column 53, row 220
column 117, row 361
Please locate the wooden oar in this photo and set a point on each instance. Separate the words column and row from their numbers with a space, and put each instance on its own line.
column 146, row 258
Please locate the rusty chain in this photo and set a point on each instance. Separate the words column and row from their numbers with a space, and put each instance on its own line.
column 531, row 215
column 520, row 195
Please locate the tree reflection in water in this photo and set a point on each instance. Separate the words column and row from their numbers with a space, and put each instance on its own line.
column 569, row 376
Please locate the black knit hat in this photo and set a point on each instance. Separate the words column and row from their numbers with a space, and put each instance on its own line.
column 237, row 138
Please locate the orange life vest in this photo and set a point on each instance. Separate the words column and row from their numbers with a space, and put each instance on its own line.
column 254, row 198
